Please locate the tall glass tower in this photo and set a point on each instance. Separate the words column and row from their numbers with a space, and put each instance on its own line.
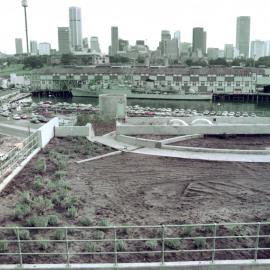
column 75, row 28
column 243, row 35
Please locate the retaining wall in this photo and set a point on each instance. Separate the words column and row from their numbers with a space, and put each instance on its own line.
column 138, row 141
column 78, row 131
column 46, row 132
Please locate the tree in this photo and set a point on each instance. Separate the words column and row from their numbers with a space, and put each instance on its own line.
column 218, row 61
column 67, row 59
column 263, row 61
column 119, row 59
column 32, row 62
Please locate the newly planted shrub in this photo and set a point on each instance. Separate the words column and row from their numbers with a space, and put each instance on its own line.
column 104, row 223
column 25, row 197
column 42, row 244
column 172, row 243
column 24, row 234
column 60, row 174
column 200, row 243
column 38, row 221
column 151, row 244
column 53, row 220
column 41, row 204
column 85, row 221
column 99, row 235
column 72, row 212
column 120, row 245
column 38, row 183
column 232, row 229
column 89, row 247
column 22, row 210
column 40, row 165
column 187, row 231
column 3, row 246
column 59, row 234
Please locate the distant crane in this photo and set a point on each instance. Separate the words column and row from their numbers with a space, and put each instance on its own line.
column 25, row 5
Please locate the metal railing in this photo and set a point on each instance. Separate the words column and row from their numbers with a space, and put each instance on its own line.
column 13, row 158
column 137, row 244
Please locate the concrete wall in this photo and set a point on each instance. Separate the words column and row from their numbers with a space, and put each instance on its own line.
column 46, row 132
column 138, row 141
column 78, row 131
column 181, row 138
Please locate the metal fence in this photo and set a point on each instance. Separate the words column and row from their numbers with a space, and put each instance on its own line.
column 13, row 158
column 135, row 244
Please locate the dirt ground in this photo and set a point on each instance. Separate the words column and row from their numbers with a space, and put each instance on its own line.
column 7, row 143
column 229, row 142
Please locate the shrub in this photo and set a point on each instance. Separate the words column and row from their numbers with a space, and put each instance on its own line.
column 38, row 183
column 3, row 246
column 69, row 202
column 53, row 220
column 25, row 197
column 232, row 229
column 99, row 235
column 120, row 245
column 51, row 185
column 59, row 196
column 41, row 204
column 103, row 223
column 85, row 221
column 22, row 210
column 187, row 230
column 63, row 185
column 60, row 174
column 172, row 243
column 72, row 212
column 200, row 243
column 38, row 221
column 40, row 165
column 24, row 234
column 89, row 247
column 59, row 234
column 151, row 244
column 42, row 244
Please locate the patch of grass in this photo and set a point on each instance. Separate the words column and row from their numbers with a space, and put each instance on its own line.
column 89, row 247
column 151, row 244
column 25, row 197
column 72, row 212
column 38, row 221
column 85, row 221
column 59, row 234
column 42, row 204
column 22, row 210
column 232, row 229
column 59, row 196
column 38, row 183
column 24, row 234
column 40, row 165
column 187, row 230
column 172, row 243
column 60, row 174
column 43, row 245
column 120, row 245
column 200, row 243
column 53, row 220
column 104, row 223
column 3, row 246
column 99, row 235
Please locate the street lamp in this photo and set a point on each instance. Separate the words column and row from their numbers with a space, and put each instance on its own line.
column 25, row 5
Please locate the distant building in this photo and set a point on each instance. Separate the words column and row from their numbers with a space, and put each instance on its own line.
column 19, row 46
column 123, row 45
column 165, row 35
column 199, row 40
column 33, row 47
column 75, row 28
column 114, row 40
column 44, row 48
column 85, row 43
column 172, row 49
column 257, row 49
column 94, row 43
column 177, row 35
column 163, row 44
column 267, row 48
column 212, row 53
column 140, row 43
column 63, row 40
column 221, row 54
column 243, row 35
column 228, row 51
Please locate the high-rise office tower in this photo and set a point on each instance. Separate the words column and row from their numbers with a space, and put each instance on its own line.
column 199, row 40
column 44, row 48
column 243, row 35
column 94, row 44
column 165, row 35
column 257, row 49
column 114, row 40
column 267, row 48
column 63, row 40
column 75, row 28
column 33, row 47
column 177, row 35
column 212, row 53
column 85, row 42
column 19, row 46
column 228, row 51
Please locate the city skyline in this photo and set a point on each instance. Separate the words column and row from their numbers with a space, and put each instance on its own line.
column 146, row 27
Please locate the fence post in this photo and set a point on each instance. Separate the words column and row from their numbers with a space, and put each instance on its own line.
column 19, row 245
column 214, row 242
column 115, row 246
column 67, row 246
column 163, row 244
column 257, row 241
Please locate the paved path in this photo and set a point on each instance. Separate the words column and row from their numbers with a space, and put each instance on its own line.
column 15, row 130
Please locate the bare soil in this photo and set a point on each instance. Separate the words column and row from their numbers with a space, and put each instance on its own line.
column 7, row 143
column 229, row 142
column 142, row 190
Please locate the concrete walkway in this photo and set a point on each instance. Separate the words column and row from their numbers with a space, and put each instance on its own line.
column 15, row 130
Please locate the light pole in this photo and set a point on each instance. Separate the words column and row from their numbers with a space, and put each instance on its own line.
column 25, row 5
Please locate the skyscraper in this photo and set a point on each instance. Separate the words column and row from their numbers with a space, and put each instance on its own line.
column 75, row 28
column 44, row 48
column 165, row 35
column 33, row 47
column 94, row 44
column 177, row 35
column 243, row 35
column 228, row 51
column 114, row 40
column 19, row 46
column 267, row 48
column 199, row 40
column 257, row 49
column 63, row 40
column 85, row 42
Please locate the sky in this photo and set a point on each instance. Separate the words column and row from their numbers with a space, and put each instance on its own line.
column 136, row 19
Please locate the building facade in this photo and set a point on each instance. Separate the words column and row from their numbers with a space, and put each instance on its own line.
column 257, row 49
column 44, row 48
column 212, row 53
column 94, row 43
column 114, row 40
column 243, row 35
column 63, row 40
column 199, row 40
column 19, row 46
column 33, row 47
column 75, row 28
column 229, row 51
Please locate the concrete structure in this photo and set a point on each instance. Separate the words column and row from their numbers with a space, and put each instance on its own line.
column 212, row 53
column 114, row 40
column 85, row 44
column 75, row 28
column 33, row 47
column 177, row 35
column 199, row 40
column 123, row 45
column 267, row 48
column 19, row 46
column 113, row 106
column 257, row 49
column 63, row 40
column 229, row 51
column 243, row 35
column 94, row 45
column 74, row 131
column 44, row 48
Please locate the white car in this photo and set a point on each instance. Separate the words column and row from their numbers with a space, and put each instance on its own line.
column 16, row 117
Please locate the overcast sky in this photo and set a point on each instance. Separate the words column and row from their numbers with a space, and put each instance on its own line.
column 136, row 19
